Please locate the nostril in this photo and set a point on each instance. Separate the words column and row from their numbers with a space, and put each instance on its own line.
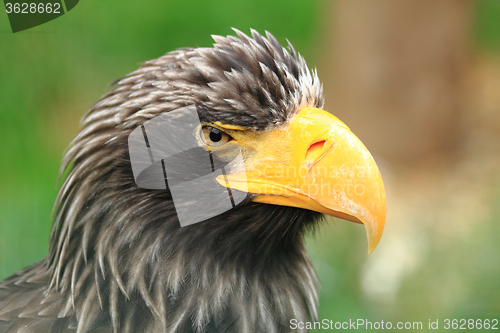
column 315, row 147
column 313, row 153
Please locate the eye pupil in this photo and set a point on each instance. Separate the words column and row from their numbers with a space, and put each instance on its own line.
column 215, row 135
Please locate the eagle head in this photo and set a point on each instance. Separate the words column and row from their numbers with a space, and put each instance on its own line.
column 119, row 256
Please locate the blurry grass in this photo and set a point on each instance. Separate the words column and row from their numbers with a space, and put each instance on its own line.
column 25, row 230
column 487, row 32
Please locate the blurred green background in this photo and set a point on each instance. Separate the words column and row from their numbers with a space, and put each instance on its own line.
column 439, row 257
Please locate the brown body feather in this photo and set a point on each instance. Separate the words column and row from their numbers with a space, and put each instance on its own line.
column 118, row 259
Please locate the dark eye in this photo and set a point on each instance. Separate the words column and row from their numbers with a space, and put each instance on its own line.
column 214, row 137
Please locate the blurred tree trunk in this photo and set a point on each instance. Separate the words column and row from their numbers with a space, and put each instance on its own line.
column 395, row 73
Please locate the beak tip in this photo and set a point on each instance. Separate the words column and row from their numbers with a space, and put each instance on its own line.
column 374, row 230
column 371, row 248
column 373, row 239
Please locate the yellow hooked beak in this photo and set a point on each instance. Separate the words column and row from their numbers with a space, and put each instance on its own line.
column 315, row 162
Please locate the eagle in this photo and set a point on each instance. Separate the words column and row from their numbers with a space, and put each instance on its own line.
column 121, row 260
